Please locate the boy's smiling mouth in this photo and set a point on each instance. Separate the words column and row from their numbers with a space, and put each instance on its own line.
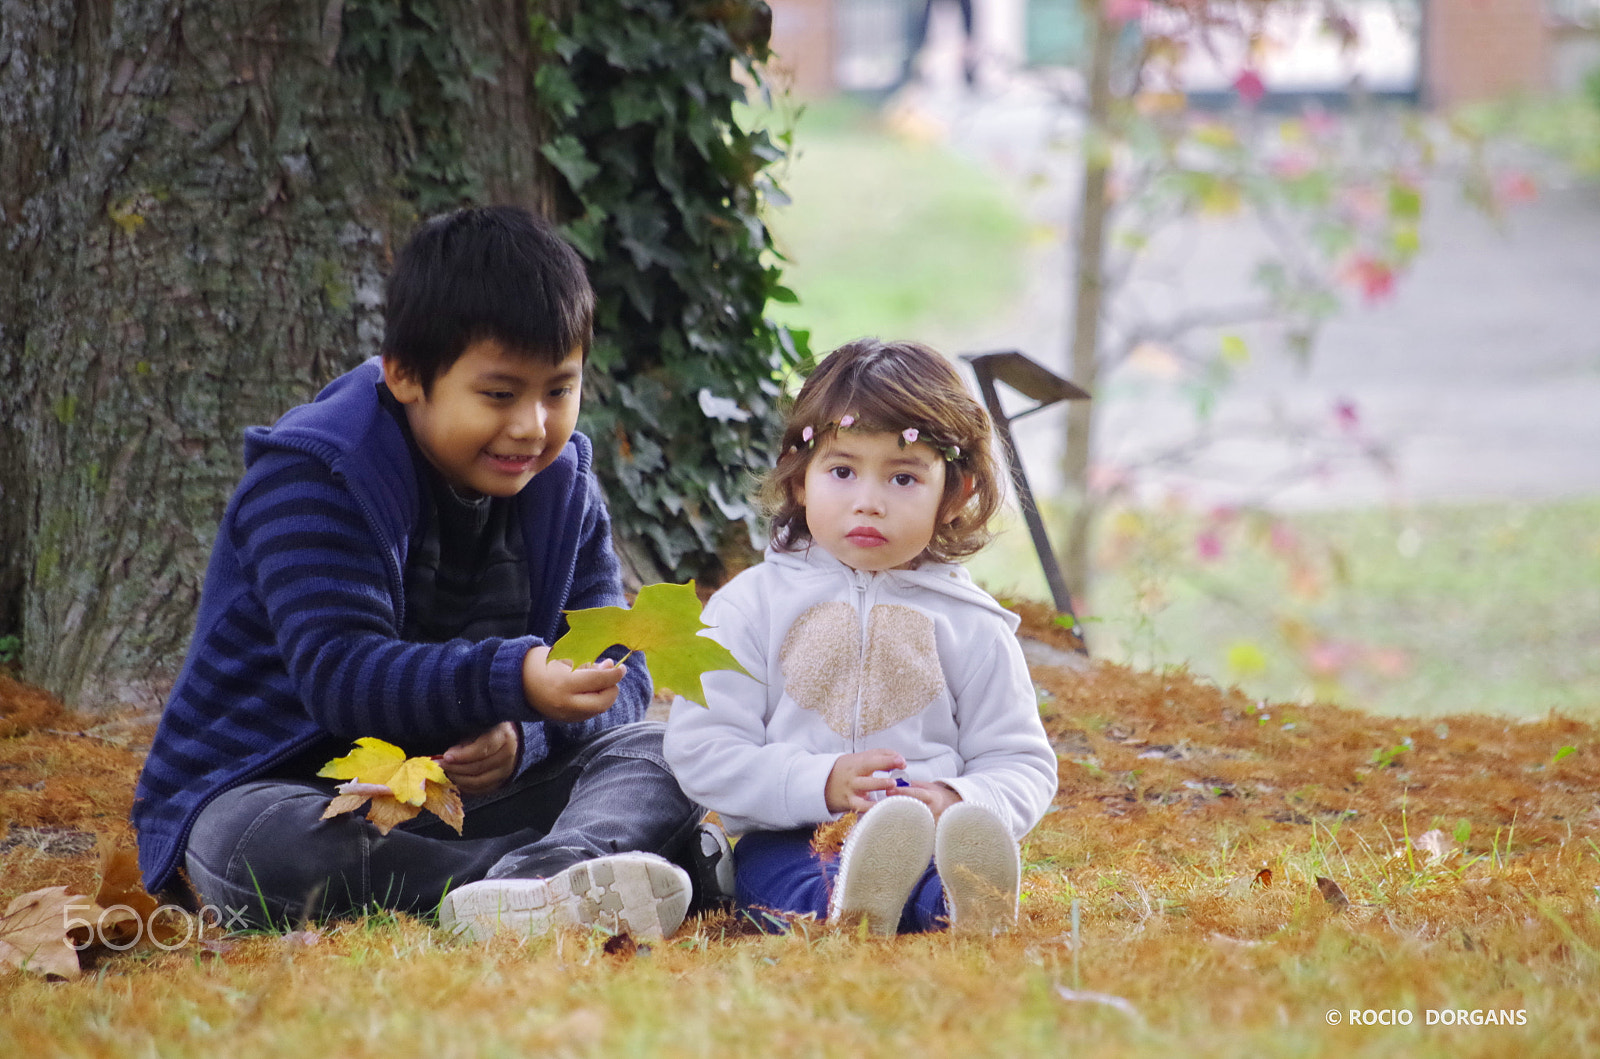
column 511, row 462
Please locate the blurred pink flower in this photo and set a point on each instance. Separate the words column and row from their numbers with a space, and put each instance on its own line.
column 1319, row 122
column 1107, row 478
column 1250, row 87
column 1374, row 278
column 1293, row 165
column 1208, row 546
column 1120, row 11
column 1281, row 539
column 1328, row 657
column 1389, row 661
column 1346, row 415
column 1515, row 188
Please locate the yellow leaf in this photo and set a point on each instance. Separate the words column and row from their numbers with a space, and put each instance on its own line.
column 374, row 761
column 1216, row 134
column 1246, row 659
column 1221, row 198
column 1235, row 350
column 398, row 787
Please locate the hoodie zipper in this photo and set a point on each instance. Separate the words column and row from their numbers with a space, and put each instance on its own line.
column 863, row 584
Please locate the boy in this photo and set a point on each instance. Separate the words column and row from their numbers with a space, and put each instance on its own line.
column 395, row 563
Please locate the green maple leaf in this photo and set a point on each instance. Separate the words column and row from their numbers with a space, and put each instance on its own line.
column 665, row 624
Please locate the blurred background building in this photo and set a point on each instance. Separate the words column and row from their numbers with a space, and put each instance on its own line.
column 1439, row 52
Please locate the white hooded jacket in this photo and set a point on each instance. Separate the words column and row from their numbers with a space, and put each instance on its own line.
column 922, row 662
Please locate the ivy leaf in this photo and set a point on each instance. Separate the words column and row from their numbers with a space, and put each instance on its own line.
column 570, row 159
column 398, row 787
column 663, row 623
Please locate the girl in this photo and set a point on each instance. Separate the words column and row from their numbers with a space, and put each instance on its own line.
column 883, row 681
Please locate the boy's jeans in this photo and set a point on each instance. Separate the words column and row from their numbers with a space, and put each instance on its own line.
column 261, row 853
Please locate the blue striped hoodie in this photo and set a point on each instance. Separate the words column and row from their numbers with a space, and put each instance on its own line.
column 298, row 632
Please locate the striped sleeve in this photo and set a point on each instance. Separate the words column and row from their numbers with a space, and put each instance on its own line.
column 327, row 585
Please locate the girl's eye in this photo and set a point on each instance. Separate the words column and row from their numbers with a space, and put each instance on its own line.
column 841, row 473
column 904, row 478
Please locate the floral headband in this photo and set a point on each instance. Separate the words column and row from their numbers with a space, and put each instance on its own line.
column 910, row 435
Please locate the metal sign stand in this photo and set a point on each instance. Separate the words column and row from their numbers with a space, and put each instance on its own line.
column 1038, row 383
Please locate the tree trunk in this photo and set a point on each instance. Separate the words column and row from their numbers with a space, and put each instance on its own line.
column 199, row 201
column 1088, row 296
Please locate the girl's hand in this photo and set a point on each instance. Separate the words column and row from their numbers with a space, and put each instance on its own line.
column 936, row 796
column 852, row 779
column 480, row 765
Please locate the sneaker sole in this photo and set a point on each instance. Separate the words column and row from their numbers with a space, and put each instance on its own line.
column 981, row 868
column 897, row 834
column 638, row 894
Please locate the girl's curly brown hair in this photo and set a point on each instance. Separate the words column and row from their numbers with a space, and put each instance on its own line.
column 893, row 386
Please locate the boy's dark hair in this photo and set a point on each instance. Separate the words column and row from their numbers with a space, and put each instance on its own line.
column 485, row 272
column 892, row 386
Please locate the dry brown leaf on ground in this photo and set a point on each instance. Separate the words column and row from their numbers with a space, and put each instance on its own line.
column 33, row 934
column 1332, row 894
column 131, row 914
column 1437, row 845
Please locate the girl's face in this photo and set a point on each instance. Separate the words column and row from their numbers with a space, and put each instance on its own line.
column 872, row 504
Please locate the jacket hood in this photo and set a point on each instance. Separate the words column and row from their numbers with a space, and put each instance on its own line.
column 338, row 428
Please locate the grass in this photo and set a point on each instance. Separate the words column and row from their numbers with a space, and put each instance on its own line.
column 1565, row 127
column 1175, row 795
column 860, row 199
column 1415, row 612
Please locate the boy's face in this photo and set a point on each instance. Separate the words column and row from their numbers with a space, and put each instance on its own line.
column 495, row 419
column 870, row 502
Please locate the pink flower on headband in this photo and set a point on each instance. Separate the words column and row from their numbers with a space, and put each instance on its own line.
column 910, row 434
column 805, row 435
column 847, row 422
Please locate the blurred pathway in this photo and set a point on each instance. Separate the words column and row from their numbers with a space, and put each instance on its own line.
column 1480, row 376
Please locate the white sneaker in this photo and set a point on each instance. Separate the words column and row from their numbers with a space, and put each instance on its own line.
column 981, row 868
column 883, row 857
column 639, row 894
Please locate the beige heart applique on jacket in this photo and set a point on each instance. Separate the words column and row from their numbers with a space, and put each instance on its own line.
column 825, row 669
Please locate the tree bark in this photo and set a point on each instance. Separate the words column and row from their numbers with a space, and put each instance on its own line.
column 198, row 201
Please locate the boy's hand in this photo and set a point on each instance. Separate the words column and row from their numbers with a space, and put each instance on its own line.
column 480, row 765
column 852, row 779
column 557, row 692
column 935, row 796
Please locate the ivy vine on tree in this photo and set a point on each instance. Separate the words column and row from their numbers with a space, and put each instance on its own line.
column 662, row 191
column 663, row 196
